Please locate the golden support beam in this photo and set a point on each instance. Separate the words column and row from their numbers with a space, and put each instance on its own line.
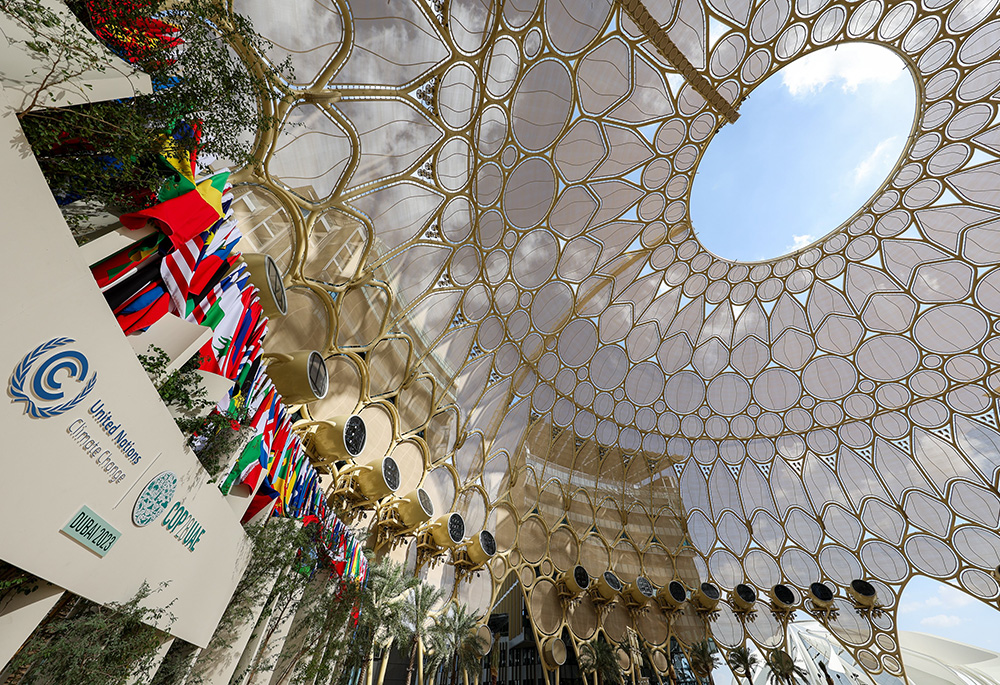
column 666, row 47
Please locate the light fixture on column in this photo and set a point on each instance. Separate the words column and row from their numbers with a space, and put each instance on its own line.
column 672, row 596
column 400, row 517
column 864, row 597
column 472, row 556
column 743, row 599
column 783, row 603
column 266, row 277
column 638, row 594
column 572, row 584
column 300, row 377
column 820, row 605
column 444, row 533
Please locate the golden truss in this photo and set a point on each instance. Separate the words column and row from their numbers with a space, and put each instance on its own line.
column 482, row 212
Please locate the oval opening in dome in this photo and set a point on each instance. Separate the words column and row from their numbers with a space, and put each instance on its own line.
column 814, row 142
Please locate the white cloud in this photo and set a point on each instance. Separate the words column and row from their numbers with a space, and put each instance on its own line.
column 850, row 65
column 955, row 598
column 946, row 597
column 800, row 241
column 878, row 162
column 941, row 621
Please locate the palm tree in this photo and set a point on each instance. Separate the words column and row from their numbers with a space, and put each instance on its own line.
column 417, row 607
column 453, row 637
column 743, row 661
column 784, row 670
column 383, row 614
column 435, row 652
column 597, row 656
column 704, row 659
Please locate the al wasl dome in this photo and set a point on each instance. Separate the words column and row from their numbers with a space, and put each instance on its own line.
column 459, row 357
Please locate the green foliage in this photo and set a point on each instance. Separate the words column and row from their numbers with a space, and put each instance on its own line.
column 597, row 656
column 419, row 623
column 181, row 388
column 13, row 582
column 96, row 645
column 215, row 437
column 704, row 658
column 461, row 644
column 273, row 551
column 743, row 661
column 383, row 611
column 108, row 150
column 784, row 670
column 323, row 631
column 62, row 50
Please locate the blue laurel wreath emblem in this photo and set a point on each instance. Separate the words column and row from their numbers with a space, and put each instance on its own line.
column 43, row 383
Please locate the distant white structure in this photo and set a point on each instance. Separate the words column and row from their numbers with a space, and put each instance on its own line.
column 928, row 660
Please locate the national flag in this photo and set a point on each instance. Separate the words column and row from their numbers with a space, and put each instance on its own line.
column 126, row 261
column 248, row 467
column 144, row 309
column 185, row 216
column 264, row 497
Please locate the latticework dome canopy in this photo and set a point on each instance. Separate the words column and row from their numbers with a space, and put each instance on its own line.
column 483, row 211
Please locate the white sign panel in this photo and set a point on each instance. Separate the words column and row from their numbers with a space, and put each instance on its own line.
column 85, row 431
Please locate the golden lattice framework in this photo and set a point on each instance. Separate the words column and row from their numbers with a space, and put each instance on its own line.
column 482, row 210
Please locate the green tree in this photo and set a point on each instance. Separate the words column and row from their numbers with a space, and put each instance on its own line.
column 289, row 589
column 62, row 50
column 784, row 670
column 421, row 599
column 322, row 630
column 383, row 612
column 275, row 547
column 597, row 656
column 457, row 641
column 743, row 661
column 108, row 151
column 91, row 644
column 704, row 659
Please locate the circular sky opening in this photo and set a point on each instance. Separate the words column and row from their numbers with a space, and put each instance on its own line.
column 813, row 143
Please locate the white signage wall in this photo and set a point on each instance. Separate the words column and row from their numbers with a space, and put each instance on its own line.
column 101, row 492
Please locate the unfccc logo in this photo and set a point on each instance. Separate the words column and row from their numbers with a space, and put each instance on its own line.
column 37, row 374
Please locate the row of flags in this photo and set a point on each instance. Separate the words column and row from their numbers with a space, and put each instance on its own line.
column 191, row 267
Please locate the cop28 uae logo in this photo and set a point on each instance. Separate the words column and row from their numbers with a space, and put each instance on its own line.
column 36, row 379
column 154, row 498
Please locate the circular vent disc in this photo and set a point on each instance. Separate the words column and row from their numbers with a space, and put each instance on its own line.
column 456, row 527
column 784, row 594
column 863, row 588
column 355, row 435
column 319, row 377
column 488, row 542
column 581, row 576
column 645, row 587
column 425, row 501
column 677, row 591
column 710, row 590
column 276, row 283
column 746, row 593
column 612, row 580
column 821, row 591
column 390, row 471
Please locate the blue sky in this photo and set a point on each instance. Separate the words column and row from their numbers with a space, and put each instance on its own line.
column 928, row 606
column 812, row 144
